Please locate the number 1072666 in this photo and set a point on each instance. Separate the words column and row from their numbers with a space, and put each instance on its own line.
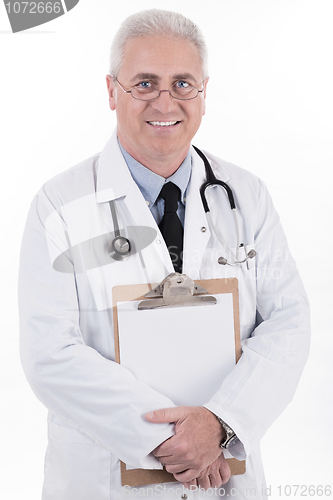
column 33, row 7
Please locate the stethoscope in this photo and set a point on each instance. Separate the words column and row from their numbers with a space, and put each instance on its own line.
column 120, row 247
column 213, row 181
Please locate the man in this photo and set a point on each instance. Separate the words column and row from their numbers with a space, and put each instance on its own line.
column 98, row 412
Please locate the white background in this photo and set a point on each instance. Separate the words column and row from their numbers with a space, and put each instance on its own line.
column 269, row 110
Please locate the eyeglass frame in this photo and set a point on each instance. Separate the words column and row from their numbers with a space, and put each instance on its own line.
column 159, row 92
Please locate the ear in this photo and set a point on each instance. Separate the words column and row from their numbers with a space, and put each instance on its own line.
column 204, row 95
column 205, row 86
column 111, row 91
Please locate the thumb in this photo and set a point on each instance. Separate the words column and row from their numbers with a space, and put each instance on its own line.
column 164, row 415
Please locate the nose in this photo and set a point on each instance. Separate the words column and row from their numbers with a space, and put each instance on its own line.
column 164, row 102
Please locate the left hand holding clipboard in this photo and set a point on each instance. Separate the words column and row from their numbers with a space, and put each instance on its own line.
column 193, row 455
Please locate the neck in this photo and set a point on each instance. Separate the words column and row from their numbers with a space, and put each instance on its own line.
column 162, row 164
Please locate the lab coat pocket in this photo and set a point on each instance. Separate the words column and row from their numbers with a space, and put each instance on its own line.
column 56, row 428
column 214, row 266
column 245, row 274
column 75, row 467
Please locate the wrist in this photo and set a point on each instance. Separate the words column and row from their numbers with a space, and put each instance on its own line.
column 217, row 428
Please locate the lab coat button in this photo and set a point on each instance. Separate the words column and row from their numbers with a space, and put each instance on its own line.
column 203, row 229
column 184, row 497
column 158, row 242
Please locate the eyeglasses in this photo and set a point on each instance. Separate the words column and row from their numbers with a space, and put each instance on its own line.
column 146, row 91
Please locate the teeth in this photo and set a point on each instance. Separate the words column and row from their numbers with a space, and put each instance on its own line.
column 162, row 124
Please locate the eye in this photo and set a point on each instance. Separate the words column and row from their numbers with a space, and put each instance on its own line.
column 181, row 84
column 144, row 85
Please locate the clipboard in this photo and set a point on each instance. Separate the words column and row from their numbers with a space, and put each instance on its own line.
column 133, row 293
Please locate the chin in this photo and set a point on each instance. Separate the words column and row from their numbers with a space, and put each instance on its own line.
column 164, row 147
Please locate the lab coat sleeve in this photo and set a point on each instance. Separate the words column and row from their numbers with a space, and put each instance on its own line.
column 91, row 394
column 264, row 380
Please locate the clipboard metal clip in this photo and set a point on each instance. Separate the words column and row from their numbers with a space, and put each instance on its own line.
column 176, row 290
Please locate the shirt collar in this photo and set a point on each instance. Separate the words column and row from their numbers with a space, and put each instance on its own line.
column 150, row 183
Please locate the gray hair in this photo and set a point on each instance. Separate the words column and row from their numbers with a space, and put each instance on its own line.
column 156, row 22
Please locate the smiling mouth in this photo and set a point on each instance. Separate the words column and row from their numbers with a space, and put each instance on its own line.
column 163, row 124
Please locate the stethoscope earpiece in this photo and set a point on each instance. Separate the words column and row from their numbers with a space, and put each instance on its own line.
column 223, row 261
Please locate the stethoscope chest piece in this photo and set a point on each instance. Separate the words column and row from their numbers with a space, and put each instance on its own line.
column 120, row 248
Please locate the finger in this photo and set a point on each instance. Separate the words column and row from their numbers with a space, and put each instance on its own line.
column 224, row 470
column 215, row 479
column 164, row 415
column 204, row 482
column 190, row 483
column 172, row 447
column 187, row 476
column 176, row 469
column 165, row 449
column 170, row 460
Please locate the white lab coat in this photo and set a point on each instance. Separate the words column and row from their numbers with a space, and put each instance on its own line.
column 96, row 407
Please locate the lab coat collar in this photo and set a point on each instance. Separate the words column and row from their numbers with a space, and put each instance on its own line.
column 113, row 176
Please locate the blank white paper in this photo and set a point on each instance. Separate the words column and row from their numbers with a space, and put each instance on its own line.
column 184, row 353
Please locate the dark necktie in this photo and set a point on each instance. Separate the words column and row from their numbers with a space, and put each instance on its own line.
column 170, row 225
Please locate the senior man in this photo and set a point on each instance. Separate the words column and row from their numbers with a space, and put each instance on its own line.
column 149, row 175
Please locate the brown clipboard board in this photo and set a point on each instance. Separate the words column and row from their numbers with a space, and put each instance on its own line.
column 126, row 293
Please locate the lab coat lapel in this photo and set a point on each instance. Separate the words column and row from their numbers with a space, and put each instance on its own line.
column 114, row 182
column 113, row 177
column 196, row 231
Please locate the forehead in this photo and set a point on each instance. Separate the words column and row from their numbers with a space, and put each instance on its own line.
column 160, row 56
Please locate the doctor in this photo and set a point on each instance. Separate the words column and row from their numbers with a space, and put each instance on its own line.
column 99, row 413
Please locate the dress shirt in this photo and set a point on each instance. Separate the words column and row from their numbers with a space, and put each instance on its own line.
column 150, row 184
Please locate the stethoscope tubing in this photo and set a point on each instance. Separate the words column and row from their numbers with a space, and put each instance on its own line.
column 114, row 218
column 211, row 182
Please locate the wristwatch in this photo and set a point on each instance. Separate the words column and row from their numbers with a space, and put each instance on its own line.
column 230, row 437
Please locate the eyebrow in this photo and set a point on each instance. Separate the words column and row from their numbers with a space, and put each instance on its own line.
column 152, row 76
column 144, row 76
column 185, row 76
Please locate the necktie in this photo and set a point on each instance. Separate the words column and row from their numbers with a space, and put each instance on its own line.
column 170, row 225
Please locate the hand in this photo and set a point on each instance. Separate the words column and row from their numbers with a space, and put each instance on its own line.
column 196, row 444
column 213, row 476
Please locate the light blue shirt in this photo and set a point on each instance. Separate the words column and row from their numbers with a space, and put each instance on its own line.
column 150, row 184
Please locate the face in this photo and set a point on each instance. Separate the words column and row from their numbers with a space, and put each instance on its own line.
column 162, row 62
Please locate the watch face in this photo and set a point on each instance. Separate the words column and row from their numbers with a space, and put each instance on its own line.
column 230, row 437
column 232, row 440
